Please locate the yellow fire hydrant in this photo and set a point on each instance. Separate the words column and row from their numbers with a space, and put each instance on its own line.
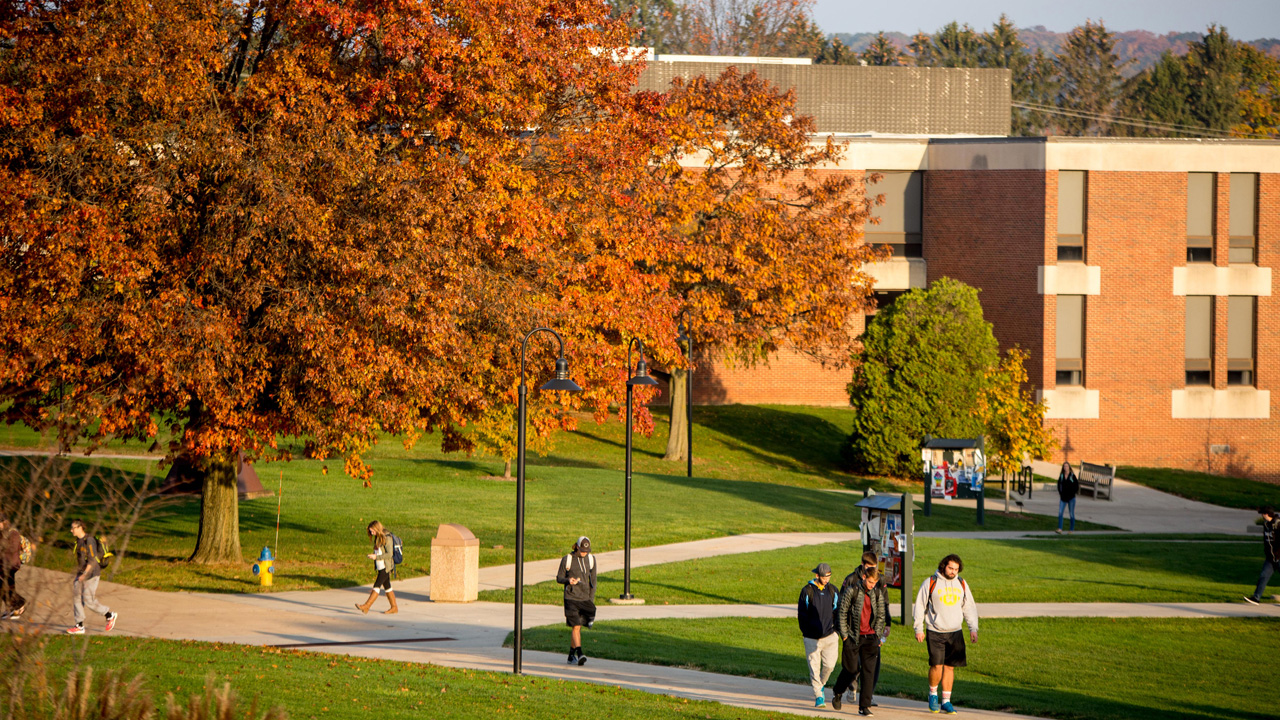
column 265, row 567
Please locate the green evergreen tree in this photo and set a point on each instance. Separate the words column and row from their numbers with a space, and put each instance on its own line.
column 923, row 51
column 1215, row 68
column 957, row 46
column 835, row 52
column 921, row 369
column 1090, row 73
column 883, row 52
column 1160, row 95
column 1032, row 76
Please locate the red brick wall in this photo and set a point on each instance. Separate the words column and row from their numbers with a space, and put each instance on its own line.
column 988, row 229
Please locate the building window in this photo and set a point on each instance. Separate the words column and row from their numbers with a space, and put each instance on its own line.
column 899, row 228
column 884, row 299
column 1071, row 204
column 1201, row 191
column 1243, row 212
column 1241, row 317
column 1070, row 340
column 1199, row 340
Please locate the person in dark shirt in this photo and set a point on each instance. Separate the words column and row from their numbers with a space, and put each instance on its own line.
column 1270, row 552
column 863, row 621
column 10, row 561
column 816, row 611
column 1068, row 488
column 577, row 573
column 90, row 555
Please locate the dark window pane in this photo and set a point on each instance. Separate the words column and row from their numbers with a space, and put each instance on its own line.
column 1070, row 253
column 1239, row 377
column 1068, row 377
column 1199, row 377
column 1199, row 255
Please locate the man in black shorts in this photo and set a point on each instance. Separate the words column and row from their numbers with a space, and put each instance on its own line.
column 944, row 602
column 577, row 574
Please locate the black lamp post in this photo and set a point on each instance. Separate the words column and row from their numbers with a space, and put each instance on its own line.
column 688, row 397
column 560, row 382
column 641, row 377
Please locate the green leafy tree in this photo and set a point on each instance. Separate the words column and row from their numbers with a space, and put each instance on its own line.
column 921, row 369
column 1014, row 419
column 1259, row 95
column 1090, row 71
column 883, row 52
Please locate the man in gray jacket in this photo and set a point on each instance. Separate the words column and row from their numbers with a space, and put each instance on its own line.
column 945, row 601
column 577, row 574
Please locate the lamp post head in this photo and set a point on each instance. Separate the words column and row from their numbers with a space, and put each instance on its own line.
column 642, row 375
column 561, row 381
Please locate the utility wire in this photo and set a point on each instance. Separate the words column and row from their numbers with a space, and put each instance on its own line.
column 1147, row 124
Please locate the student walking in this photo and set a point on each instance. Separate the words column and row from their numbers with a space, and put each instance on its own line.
column 816, row 612
column 10, row 561
column 863, row 619
column 944, row 602
column 850, row 584
column 577, row 574
column 90, row 558
column 1068, row 488
column 383, row 564
column 1270, row 552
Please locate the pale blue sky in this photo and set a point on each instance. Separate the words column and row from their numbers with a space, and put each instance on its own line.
column 1244, row 19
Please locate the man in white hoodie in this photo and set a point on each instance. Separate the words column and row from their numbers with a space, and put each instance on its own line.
column 944, row 602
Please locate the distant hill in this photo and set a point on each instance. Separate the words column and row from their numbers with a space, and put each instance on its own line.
column 1141, row 46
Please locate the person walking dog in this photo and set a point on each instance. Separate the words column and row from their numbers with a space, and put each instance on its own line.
column 1068, row 488
column 816, row 612
column 577, row 574
column 383, row 565
column 944, row 602
column 90, row 557
column 1270, row 552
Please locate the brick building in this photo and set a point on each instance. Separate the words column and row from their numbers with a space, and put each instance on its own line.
column 1135, row 273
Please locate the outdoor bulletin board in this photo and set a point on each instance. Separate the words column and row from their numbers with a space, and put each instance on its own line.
column 888, row 530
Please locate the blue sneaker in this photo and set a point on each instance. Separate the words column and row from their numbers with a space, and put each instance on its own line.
column 933, row 704
column 947, row 708
column 819, row 702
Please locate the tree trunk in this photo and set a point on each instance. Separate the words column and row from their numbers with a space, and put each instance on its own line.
column 219, row 538
column 678, row 439
column 506, row 469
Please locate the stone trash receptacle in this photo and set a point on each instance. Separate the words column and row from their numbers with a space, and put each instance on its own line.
column 455, row 564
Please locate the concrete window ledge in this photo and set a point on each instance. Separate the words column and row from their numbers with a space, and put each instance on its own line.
column 1205, row 279
column 1069, row 279
column 898, row 273
column 1070, row 403
column 1237, row 403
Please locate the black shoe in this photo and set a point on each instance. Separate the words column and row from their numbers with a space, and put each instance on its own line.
column 573, row 655
column 865, row 711
column 1249, row 599
column 582, row 659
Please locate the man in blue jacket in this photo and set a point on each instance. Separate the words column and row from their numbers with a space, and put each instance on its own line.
column 816, row 611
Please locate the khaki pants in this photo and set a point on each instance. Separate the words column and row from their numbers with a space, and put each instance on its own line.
column 822, row 655
column 85, row 595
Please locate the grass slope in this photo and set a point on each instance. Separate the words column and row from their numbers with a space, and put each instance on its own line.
column 315, row 685
column 1066, row 569
column 1214, row 489
column 1071, row 668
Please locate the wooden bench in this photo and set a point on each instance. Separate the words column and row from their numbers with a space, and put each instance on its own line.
column 1097, row 479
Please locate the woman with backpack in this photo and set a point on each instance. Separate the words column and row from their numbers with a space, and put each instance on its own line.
column 383, row 564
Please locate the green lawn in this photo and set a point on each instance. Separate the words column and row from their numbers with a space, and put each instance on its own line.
column 1214, row 489
column 1073, row 668
column 1056, row 569
column 315, row 685
column 780, row 484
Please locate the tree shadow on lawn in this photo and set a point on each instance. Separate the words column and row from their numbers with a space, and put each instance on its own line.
column 836, row 508
column 609, row 586
column 1215, row 563
column 793, row 441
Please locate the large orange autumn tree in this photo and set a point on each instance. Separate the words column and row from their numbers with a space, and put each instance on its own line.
column 227, row 223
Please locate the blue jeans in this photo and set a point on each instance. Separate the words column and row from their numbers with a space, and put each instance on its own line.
column 1268, row 569
column 1063, row 505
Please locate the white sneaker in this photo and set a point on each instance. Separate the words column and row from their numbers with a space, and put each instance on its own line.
column 111, row 621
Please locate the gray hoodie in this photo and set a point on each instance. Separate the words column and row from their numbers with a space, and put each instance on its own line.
column 951, row 604
column 582, row 568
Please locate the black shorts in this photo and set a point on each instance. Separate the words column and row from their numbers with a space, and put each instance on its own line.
column 383, row 581
column 579, row 612
column 945, row 648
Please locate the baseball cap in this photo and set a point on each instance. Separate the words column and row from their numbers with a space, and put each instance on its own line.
column 822, row 569
column 583, row 544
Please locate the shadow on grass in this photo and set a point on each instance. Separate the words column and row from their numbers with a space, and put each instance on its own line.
column 793, row 441
column 1212, row 562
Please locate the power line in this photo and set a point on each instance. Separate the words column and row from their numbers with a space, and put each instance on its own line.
column 1147, row 124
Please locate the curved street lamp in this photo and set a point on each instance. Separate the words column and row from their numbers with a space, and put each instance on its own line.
column 641, row 377
column 560, row 382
